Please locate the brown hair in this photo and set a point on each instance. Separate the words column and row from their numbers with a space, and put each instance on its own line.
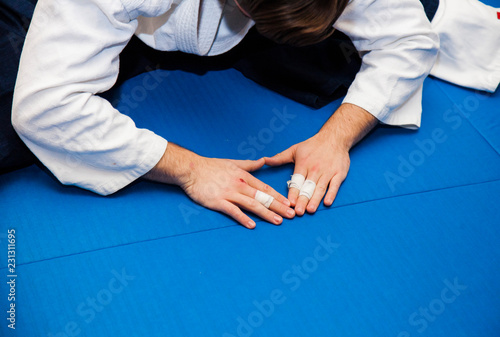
column 294, row 22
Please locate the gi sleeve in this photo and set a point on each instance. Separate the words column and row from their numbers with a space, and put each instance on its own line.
column 71, row 53
column 398, row 49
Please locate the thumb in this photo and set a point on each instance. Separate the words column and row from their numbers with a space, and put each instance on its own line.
column 249, row 165
column 281, row 158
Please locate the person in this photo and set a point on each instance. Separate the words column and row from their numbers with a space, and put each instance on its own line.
column 71, row 55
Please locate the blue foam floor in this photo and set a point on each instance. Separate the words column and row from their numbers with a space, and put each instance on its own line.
column 417, row 213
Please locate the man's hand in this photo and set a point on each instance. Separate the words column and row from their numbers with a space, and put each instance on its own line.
column 220, row 184
column 317, row 159
column 324, row 158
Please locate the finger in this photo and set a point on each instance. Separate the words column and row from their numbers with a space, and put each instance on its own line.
column 249, row 165
column 234, row 212
column 282, row 157
column 302, row 201
column 319, row 193
column 335, row 183
column 259, row 185
column 252, row 205
column 293, row 193
column 282, row 209
column 276, row 206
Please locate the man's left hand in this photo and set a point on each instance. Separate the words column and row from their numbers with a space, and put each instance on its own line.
column 324, row 158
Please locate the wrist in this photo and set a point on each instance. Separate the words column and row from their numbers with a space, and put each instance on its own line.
column 347, row 126
column 175, row 166
column 337, row 141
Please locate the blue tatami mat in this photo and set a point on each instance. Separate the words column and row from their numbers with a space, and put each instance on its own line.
column 237, row 120
column 419, row 265
column 409, row 248
column 480, row 109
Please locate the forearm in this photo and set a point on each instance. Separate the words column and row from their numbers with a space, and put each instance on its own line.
column 175, row 166
column 347, row 126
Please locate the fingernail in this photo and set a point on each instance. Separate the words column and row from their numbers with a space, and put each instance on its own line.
column 277, row 219
column 299, row 210
column 290, row 212
column 287, row 202
column 251, row 224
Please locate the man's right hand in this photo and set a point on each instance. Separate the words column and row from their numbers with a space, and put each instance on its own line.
column 222, row 185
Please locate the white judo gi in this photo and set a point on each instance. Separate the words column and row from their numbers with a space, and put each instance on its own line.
column 72, row 52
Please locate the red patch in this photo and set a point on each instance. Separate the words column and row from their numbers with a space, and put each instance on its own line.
column 498, row 15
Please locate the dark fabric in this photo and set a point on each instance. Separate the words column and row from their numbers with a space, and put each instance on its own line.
column 15, row 16
column 314, row 75
column 430, row 7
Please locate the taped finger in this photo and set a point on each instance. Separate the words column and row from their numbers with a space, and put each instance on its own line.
column 264, row 199
column 307, row 189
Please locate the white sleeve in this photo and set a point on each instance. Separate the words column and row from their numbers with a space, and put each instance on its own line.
column 71, row 54
column 398, row 49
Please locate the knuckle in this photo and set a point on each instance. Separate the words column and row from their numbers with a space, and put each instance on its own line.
column 232, row 167
column 279, row 207
column 240, row 217
column 233, row 209
column 226, row 208
column 335, row 182
column 302, row 201
column 252, row 203
column 270, row 215
column 314, row 168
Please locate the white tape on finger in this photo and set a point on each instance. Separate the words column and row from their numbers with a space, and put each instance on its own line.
column 307, row 189
column 264, row 199
column 296, row 182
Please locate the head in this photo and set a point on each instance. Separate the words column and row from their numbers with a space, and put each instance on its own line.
column 294, row 22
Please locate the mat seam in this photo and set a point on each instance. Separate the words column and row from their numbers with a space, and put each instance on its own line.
column 258, row 221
